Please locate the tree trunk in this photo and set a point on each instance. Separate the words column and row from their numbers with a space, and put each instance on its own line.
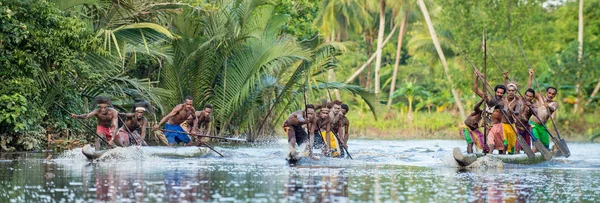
column 331, row 78
column 410, row 112
column 398, row 50
column 596, row 89
column 357, row 72
column 579, row 55
column 436, row 43
column 379, row 44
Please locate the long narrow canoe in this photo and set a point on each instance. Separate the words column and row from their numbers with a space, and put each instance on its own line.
column 136, row 151
column 465, row 160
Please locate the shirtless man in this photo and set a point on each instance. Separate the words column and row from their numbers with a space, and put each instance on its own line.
column 471, row 133
column 322, row 122
column 133, row 122
column 545, row 107
column 178, row 115
column 494, row 106
column 107, row 120
column 203, row 121
column 523, row 127
column 293, row 127
column 508, row 122
column 345, row 125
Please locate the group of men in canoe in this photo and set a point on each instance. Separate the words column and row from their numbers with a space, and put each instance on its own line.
column 327, row 129
column 506, row 115
column 181, row 122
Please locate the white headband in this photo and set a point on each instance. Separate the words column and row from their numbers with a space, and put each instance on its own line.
column 512, row 84
column 140, row 109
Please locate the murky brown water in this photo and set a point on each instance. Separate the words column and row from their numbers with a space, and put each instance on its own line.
column 382, row 171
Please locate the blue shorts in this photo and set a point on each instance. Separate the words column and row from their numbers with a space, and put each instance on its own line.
column 173, row 137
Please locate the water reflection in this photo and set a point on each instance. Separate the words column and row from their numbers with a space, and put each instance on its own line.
column 252, row 175
column 304, row 185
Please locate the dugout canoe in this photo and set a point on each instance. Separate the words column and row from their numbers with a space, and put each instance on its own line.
column 465, row 160
column 141, row 151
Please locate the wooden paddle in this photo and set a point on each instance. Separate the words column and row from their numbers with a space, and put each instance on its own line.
column 520, row 139
column 224, row 138
column 336, row 137
column 559, row 142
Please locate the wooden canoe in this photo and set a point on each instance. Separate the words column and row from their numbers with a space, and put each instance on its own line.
column 465, row 160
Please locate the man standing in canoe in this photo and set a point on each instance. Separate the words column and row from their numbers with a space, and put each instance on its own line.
column 293, row 128
column 471, row 133
column 178, row 115
column 107, row 120
column 133, row 122
column 545, row 107
column 514, row 106
column 494, row 106
column 522, row 121
column 203, row 122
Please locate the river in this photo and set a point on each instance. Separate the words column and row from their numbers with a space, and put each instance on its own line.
column 381, row 171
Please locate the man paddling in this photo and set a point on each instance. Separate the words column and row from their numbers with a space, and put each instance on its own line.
column 494, row 106
column 321, row 122
column 471, row 133
column 173, row 120
column 133, row 122
column 345, row 125
column 203, row 122
column 293, row 127
column 514, row 107
column 107, row 120
column 523, row 127
column 545, row 107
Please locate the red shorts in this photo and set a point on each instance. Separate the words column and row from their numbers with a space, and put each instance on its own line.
column 101, row 130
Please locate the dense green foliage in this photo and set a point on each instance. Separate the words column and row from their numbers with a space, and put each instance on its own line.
column 253, row 60
column 41, row 53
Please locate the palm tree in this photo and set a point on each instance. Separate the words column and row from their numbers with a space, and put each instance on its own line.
column 441, row 56
column 410, row 91
column 404, row 9
column 234, row 58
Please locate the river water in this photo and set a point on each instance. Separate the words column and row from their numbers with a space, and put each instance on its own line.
column 381, row 171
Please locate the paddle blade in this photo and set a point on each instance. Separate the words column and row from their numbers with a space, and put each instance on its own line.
column 563, row 148
column 542, row 149
column 523, row 144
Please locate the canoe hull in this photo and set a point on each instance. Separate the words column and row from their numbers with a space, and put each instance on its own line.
column 465, row 160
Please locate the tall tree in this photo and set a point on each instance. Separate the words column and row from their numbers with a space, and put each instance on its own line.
column 401, row 31
column 442, row 57
column 379, row 44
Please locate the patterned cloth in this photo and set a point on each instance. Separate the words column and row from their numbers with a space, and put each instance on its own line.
column 495, row 138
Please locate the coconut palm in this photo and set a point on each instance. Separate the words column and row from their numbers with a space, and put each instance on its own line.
column 234, row 58
column 440, row 52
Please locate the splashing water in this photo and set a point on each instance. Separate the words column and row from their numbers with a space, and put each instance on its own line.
column 389, row 171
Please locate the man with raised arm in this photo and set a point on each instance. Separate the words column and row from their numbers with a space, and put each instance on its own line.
column 494, row 106
column 178, row 115
column 293, row 127
column 522, row 121
column 545, row 107
column 134, row 121
column 471, row 133
column 107, row 120
column 508, row 121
